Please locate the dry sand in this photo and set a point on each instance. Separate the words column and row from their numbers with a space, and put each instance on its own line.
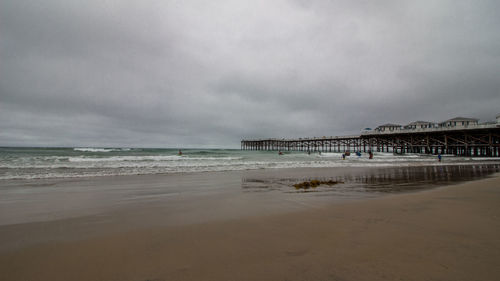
column 449, row 233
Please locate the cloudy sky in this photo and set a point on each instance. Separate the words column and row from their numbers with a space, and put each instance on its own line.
column 209, row 73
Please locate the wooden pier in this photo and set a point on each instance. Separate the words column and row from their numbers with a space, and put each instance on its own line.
column 480, row 140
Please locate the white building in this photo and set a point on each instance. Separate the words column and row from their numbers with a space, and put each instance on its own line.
column 388, row 128
column 459, row 122
column 420, row 125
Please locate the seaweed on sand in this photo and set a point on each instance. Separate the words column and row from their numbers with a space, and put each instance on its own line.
column 314, row 183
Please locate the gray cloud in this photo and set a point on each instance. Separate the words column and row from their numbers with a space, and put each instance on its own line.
column 208, row 73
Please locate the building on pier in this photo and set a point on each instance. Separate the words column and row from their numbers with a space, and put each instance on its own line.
column 388, row 128
column 420, row 125
column 459, row 122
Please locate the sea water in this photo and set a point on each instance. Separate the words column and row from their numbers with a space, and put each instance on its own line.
column 36, row 163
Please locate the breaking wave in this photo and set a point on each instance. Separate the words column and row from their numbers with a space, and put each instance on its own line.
column 91, row 149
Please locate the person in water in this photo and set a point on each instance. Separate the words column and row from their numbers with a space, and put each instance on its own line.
column 180, row 152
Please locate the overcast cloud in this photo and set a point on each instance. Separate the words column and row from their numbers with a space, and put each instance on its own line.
column 209, row 73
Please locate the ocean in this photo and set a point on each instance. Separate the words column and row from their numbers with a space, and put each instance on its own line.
column 46, row 163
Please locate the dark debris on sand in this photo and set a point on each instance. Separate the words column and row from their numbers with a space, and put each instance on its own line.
column 314, row 183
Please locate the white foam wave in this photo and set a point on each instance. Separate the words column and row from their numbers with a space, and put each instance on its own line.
column 149, row 158
column 125, row 158
column 138, row 169
column 92, row 149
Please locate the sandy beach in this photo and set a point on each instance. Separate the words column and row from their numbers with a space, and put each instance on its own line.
column 446, row 233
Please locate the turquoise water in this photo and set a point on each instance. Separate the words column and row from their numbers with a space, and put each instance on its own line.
column 32, row 163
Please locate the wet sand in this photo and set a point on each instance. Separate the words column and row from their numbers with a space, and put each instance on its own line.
column 447, row 233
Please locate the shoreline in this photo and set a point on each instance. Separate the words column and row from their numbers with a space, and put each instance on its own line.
column 352, row 165
column 445, row 233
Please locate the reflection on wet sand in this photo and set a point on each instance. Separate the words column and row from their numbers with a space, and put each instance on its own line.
column 384, row 180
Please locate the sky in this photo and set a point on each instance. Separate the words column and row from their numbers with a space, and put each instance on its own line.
column 210, row 73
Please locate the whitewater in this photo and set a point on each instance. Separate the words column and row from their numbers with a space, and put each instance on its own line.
column 41, row 163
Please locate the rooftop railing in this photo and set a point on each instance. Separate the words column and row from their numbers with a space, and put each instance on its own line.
column 438, row 129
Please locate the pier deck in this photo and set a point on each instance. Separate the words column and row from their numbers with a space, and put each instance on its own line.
column 480, row 140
